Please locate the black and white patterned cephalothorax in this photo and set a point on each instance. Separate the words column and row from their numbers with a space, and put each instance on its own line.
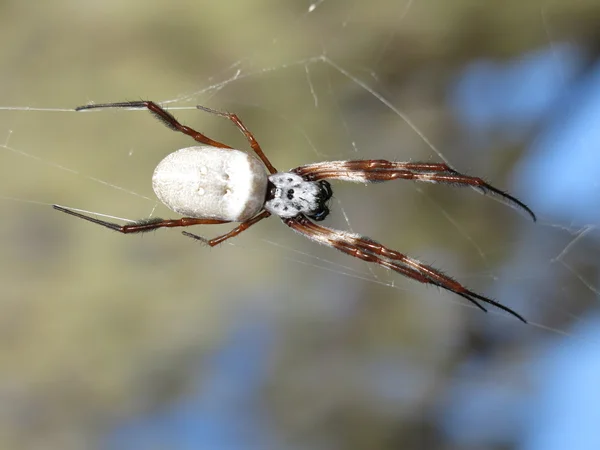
column 213, row 183
column 290, row 195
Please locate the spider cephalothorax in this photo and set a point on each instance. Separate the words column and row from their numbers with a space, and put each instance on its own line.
column 289, row 195
column 214, row 184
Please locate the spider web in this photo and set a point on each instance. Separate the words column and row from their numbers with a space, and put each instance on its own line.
column 313, row 81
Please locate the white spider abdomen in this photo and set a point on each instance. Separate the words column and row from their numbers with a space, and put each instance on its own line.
column 210, row 182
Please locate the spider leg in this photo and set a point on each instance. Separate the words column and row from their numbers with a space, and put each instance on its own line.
column 249, row 136
column 144, row 225
column 161, row 114
column 430, row 274
column 371, row 251
column 237, row 230
column 379, row 170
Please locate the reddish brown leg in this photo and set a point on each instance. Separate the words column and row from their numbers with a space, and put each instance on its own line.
column 251, row 139
column 426, row 274
column 164, row 116
column 143, row 225
column 378, row 170
column 382, row 164
column 237, row 230
column 371, row 251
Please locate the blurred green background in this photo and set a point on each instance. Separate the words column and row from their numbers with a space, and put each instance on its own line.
column 99, row 329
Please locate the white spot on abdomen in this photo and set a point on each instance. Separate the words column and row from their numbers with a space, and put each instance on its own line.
column 212, row 183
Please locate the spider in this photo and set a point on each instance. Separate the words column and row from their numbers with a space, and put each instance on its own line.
column 213, row 183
